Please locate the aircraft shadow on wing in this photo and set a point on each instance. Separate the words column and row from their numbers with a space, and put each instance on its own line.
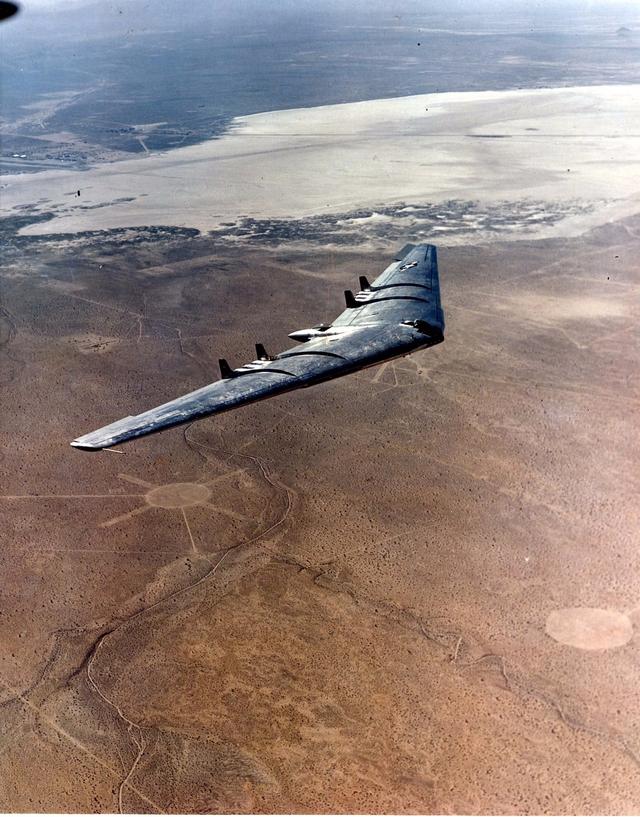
column 395, row 315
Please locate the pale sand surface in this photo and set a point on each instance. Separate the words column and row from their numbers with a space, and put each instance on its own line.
column 577, row 146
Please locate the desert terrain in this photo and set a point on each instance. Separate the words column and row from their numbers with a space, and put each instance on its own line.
column 568, row 156
column 414, row 590
column 411, row 590
column 87, row 82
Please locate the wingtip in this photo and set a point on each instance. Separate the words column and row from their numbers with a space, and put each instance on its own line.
column 84, row 446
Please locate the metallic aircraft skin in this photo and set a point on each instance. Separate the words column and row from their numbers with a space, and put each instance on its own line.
column 399, row 313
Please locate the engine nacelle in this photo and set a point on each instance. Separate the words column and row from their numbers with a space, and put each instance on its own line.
column 303, row 335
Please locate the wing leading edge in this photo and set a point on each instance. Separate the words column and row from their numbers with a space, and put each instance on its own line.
column 398, row 313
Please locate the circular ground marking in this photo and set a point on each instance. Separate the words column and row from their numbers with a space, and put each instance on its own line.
column 178, row 495
column 589, row 628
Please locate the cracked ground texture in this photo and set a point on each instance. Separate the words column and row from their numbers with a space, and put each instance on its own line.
column 334, row 601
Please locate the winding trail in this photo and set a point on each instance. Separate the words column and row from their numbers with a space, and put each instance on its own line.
column 134, row 730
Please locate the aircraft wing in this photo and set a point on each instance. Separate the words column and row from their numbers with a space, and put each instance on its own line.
column 398, row 313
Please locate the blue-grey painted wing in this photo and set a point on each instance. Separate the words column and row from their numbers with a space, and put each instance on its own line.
column 409, row 289
column 393, row 327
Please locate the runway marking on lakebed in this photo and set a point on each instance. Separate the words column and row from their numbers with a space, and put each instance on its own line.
column 176, row 496
column 589, row 628
column 173, row 496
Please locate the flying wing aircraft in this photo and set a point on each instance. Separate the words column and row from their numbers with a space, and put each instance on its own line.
column 398, row 313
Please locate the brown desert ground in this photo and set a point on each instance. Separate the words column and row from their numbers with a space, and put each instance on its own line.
column 411, row 590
